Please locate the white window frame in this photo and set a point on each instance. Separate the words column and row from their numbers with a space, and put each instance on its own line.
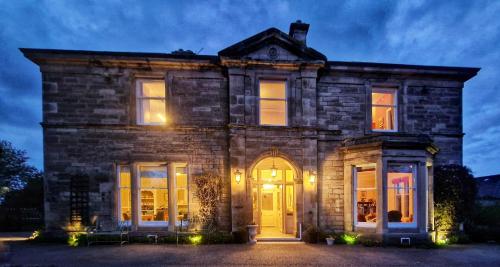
column 355, row 195
column 274, row 99
column 176, row 211
column 394, row 106
column 119, row 198
column 415, row 197
column 139, row 101
column 138, row 189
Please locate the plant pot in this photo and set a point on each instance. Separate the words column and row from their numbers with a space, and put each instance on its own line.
column 252, row 233
column 330, row 241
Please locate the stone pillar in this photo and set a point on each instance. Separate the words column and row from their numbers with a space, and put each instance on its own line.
column 240, row 206
column 134, row 185
column 310, row 193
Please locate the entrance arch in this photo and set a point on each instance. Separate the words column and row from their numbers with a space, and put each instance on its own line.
column 275, row 196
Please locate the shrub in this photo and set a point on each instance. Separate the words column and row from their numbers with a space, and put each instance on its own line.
column 350, row 239
column 454, row 197
column 208, row 188
column 77, row 239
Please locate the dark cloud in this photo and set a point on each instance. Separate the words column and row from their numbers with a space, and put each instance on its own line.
column 458, row 33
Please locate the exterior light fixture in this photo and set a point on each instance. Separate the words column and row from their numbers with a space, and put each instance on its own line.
column 274, row 171
column 237, row 176
column 312, row 177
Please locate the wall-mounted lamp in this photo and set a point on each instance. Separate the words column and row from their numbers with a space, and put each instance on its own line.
column 237, row 176
column 312, row 177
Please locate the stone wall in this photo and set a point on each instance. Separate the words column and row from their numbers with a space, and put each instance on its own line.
column 89, row 128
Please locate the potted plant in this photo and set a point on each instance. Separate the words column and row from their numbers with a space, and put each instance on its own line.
column 252, row 232
column 330, row 240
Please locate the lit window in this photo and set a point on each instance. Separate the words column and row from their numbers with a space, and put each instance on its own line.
column 181, row 184
column 401, row 195
column 151, row 102
column 384, row 110
column 365, row 195
column 153, row 195
column 125, row 203
column 272, row 103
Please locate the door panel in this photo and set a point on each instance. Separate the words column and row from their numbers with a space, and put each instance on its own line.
column 268, row 209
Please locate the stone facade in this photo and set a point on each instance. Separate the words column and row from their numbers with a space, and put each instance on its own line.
column 90, row 124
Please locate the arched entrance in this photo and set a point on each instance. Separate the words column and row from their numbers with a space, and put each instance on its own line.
column 274, row 197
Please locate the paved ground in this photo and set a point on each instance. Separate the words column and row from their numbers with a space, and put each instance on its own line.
column 22, row 253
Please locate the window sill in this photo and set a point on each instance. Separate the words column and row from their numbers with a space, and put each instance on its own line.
column 401, row 225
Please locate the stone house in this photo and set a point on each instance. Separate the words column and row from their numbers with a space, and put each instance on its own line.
column 297, row 139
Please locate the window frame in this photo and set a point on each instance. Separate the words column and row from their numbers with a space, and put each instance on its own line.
column 138, row 188
column 119, row 199
column 393, row 91
column 393, row 225
column 355, row 196
column 140, row 98
column 176, row 200
column 259, row 98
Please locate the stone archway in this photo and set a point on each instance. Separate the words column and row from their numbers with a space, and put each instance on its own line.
column 275, row 184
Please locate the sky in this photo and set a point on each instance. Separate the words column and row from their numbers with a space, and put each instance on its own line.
column 449, row 33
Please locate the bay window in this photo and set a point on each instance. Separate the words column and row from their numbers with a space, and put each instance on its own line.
column 365, row 195
column 181, row 183
column 401, row 195
column 151, row 107
column 272, row 103
column 384, row 110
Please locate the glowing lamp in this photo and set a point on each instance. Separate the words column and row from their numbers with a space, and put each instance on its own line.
column 274, row 171
column 237, row 176
column 312, row 178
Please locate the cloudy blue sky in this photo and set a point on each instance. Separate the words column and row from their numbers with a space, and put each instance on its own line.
column 451, row 33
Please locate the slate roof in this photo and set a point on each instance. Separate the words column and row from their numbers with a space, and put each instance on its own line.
column 488, row 187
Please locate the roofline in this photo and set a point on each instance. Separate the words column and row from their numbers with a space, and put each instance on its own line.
column 33, row 54
column 465, row 73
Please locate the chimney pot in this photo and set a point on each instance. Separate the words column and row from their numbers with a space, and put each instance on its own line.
column 298, row 31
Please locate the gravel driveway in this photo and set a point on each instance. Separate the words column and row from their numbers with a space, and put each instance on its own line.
column 261, row 254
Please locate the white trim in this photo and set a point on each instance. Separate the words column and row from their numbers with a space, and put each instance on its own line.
column 139, row 101
column 414, row 172
column 139, row 210
column 119, row 197
column 273, row 99
column 393, row 91
column 355, row 195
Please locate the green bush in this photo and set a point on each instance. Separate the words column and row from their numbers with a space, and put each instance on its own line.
column 454, row 197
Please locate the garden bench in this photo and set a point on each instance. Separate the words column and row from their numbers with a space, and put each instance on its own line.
column 99, row 234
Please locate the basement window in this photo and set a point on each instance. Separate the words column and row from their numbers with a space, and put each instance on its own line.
column 272, row 103
column 384, row 110
column 151, row 105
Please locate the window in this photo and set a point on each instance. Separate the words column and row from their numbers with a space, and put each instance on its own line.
column 151, row 109
column 273, row 103
column 384, row 110
column 401, row 195
column 124, row 185
column 181, row 184
column 153, row 195
column 365, row 186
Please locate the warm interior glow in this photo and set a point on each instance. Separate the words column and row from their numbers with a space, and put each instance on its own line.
column 152, row 102
column 125, row 194
column 383, row 110
column 400, row 194
column 366, row 195
column 181, row 184
column 153, row 193
column 272, row 104
column 274, row 197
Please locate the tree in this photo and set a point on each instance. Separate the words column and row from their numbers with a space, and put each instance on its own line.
column 454, row 196
column 14, row 169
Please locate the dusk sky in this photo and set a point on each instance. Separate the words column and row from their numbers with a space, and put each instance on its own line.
column 449, row 33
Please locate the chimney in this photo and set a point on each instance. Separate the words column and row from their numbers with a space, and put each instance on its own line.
column 298, row 31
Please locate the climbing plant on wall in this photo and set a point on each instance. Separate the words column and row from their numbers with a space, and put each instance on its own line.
column 208, row 190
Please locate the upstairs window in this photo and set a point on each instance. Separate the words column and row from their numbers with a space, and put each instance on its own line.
column 384, row 110
column 272, row 103
column 151, row 108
